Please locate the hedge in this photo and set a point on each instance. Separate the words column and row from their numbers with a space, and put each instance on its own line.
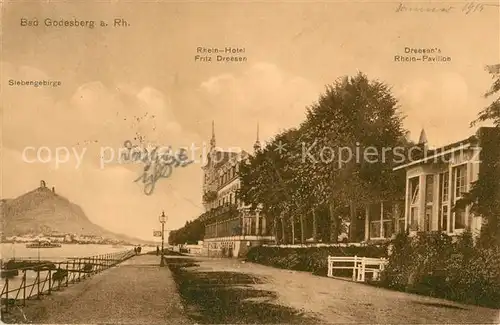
column 436, row 265
column 428, row 264
column 311, row 259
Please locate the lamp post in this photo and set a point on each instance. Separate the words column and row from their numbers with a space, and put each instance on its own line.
column 163, row 219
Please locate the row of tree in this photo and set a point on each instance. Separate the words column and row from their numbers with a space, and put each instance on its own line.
column 341, row 158
column 298, row 176
column 189, row 234
column 319, row 170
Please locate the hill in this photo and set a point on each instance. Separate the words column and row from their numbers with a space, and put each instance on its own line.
column 42, row 211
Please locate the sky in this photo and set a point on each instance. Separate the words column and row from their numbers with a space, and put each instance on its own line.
column 143, row 79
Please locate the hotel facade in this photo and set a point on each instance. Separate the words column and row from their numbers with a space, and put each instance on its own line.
column 231, row 228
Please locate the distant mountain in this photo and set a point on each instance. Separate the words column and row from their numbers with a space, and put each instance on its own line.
column 42, row 211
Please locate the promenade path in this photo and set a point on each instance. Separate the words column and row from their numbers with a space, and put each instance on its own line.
column 136, row 291
column 326, row 299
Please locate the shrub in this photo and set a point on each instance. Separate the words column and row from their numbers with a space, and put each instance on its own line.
column 476, row 279
column 432, row 264
column 310, row 259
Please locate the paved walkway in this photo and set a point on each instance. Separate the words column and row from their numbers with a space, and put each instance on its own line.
column 137, row 291
column 339, row 301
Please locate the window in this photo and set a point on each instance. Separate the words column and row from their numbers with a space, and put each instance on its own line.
column 413, row 218
column 414, row 199
column 444, row 220
column 428, row 218
column 429, row 188
column 460, row 219
column 375, row 229
column 399, row 216
column 445, row 190
column 414, row 190
column 429, row 198
column 374, row 213
column 460, row 181
column 387, row 219
column 444, row 196
column 460, row 187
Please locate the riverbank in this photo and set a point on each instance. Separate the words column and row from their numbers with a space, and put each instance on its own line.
column 136, row 291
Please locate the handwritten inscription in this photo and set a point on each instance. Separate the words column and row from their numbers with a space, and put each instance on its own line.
column 467, row 9
column 159, row 165
column 150, row 175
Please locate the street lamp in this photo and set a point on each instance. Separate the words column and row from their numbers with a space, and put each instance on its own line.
column 163, row 219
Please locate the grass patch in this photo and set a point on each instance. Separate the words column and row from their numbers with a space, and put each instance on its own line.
column 228, row 297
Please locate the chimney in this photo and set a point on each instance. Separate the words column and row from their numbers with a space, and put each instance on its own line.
column 42, row 183
column 53, row 189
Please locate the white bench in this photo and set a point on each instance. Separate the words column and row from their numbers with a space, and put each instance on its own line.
column 359, row 265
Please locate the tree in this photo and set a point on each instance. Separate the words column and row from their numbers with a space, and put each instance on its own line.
column 492, row 111
column 266, row 183
column 191, row 233
column 484, row 196
column 317, row 168
column 352, row 116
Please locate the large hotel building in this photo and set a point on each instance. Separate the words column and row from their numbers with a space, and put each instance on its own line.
column 230, row 227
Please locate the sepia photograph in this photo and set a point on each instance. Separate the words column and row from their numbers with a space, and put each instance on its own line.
column 250, row 162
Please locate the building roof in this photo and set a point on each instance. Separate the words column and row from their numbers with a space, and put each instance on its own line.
column 223, row 157
column 431, row 154
column 423, row 137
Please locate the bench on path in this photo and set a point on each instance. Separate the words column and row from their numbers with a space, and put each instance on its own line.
column 359, row 265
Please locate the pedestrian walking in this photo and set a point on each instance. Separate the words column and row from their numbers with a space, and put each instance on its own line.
column 157, row 250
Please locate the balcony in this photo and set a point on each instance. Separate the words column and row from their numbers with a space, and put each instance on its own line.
column 209, row 196
column 223, row 212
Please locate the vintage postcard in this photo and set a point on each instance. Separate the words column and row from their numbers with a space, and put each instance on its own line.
column 250, row 162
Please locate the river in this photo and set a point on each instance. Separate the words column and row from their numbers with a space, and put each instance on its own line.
column 19, row 251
